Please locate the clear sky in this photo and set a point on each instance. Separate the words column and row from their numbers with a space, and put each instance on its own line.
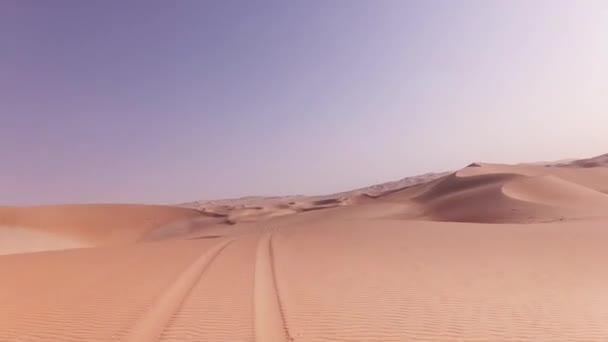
column 172, row 101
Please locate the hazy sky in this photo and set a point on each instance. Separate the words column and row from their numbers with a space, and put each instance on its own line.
column 171, row 101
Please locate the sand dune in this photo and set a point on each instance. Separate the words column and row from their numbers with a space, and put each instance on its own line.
column 477, row 198
column 95, row 224
column 590, row 162
column 490, row 193
column 487, row 253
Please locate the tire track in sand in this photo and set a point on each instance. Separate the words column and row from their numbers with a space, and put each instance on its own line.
column 150, row 326
column 270, row 324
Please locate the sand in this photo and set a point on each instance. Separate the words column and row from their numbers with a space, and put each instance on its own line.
column 487, row 253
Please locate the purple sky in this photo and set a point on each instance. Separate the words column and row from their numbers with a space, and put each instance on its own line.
column 171, row 101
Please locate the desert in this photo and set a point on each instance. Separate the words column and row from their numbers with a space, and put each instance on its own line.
column 487, row 253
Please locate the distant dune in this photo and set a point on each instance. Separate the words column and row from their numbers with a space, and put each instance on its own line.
column 489, row 252
column 590, row 162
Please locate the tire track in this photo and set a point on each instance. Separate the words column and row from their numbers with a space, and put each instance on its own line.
column 270, row 324
column 152, row 323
